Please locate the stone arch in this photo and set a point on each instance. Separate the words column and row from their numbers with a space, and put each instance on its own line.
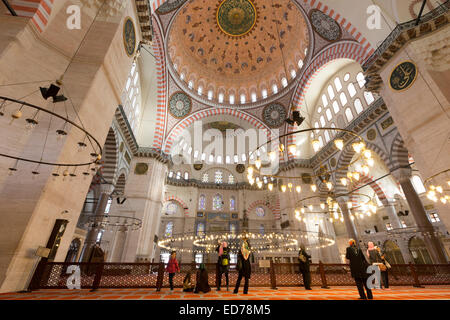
column 393, row 252
column 275, row 208
column 202, row 114
column 375, row 187
column 119, row 187
column 399, row 154
column 110, row 157
column 179, row 201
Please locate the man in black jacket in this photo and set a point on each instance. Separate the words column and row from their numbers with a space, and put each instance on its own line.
column 304, row 260
column 358, row 268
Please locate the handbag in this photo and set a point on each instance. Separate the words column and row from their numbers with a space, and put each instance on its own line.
column 302, row 258
column 381, row 266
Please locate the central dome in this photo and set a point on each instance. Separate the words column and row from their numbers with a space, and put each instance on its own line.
column 237, row 51
column 236, row 17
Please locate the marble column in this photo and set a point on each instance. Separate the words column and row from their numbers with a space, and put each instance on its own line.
column 349, row 225
column 392, row 214
column 424, row 225
column 91, row 238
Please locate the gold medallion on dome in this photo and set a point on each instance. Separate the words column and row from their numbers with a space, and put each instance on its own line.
column 236, row 18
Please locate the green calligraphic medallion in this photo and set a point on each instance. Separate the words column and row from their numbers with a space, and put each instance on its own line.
column 236, row 18
column 403, row 76
column 129, row 37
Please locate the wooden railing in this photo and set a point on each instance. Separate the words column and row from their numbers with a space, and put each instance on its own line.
column 53, row 275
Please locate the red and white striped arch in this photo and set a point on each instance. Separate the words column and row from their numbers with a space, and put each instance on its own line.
column 180, row 202
column 161, row 79
column 274, row 208
column 375, row 186
column 38, row 10
column 342, row 50
column 202, row 114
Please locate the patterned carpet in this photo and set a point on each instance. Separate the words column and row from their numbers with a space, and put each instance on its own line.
column 334, row 293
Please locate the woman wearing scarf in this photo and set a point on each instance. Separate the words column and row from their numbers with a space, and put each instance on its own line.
column 244, row 267
column 358, row 269
column 202, row 280
column 223, row 263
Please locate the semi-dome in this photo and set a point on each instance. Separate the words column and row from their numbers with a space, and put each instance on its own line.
column 238, row 51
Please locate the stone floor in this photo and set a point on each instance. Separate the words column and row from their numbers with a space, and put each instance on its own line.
column 334, row 293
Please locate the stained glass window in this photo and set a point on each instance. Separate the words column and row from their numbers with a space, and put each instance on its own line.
column 217, row 202
column 260, row 212
column 205, row 177
column 169, row 229
column 230, row 179
column 202, row 202
column 232, row 204
column 200, row 229
column 218, row 176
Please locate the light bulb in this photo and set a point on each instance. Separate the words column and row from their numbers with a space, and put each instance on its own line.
column 352, row 218
column 298, row 189
column 365, row 169
column 331, row 220
column 292, row 148
column 358, row 167
column 310, row 207
column 349, row 175
column 329, row 185
column 448, row 182
column 290, row 186
column 283, row 188
column 259, row 184
column 251, row 181
column 302, row 210
column 250, row 170
column 258, row 163
column 344, row 181
column 272, row 155
column 339, row 143
column 367, row 153
column 270, row 186
column 281, row 147
column 322, row 206
column 316, row 145
column 439, row 189
column 358, row 146
column 356, row 176
column 370, row 162
column 342, row 219
column 313, row 188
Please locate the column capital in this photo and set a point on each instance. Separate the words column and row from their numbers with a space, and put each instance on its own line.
column 402, row 174
column 106, row 188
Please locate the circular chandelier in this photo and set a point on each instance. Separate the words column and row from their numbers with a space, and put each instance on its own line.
column 267, row 242
column 265, row 159
column 110, row 222
column 437, row 191
column 330, row 206
column 55, row 127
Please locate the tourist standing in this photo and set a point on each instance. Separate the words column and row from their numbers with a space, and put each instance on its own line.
column 243, row 266
column 384, row 274
column 172, row 268
column 375, row 259
column 304, row 259
column 223, row 263
column 358, row 269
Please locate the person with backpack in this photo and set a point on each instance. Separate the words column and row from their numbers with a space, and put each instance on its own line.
column 223, row 263
column 304, row 259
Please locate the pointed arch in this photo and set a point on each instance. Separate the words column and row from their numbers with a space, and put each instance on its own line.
column 179, row 201
column 110, row 157
column 399, row 154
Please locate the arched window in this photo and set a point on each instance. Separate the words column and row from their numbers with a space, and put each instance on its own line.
column 205, row 177
column 220, row 97
column 347, row 77
column 330, row 92
column 264, row 93
column 361, row 80
column 169, row 229
column 171, row 174
column 369, row 97
column 358, row 106
column 218, row 202
column 322, row 121
column 186, row 175
column 202, row 202
column 171, row 208
column 200, row 229
column 351, row 90
column 232, row 204
column 274, row 88
column 343, row 99
column 335, row 107
column 349, row 114
column 293, row 73
column 253, row 97
column 108, row 205
column 200, row 90
column 320, row 141
column 178, row 175
column 418, row 185
column 243, row 99
column 319, row 110
column 219, row 159
column 284, row 82
column 218, row 177
column 300, row 63
column 210, row 95
column 327, row 136
column 230, row 179
column 260, row 212
column 337, row 84
column 328, row 113
column 324, row 100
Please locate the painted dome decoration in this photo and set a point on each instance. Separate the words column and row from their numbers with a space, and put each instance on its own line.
column 237, row 52
column 325, row 26
column 274, row 115
column 180, row 105
column 236, row 17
